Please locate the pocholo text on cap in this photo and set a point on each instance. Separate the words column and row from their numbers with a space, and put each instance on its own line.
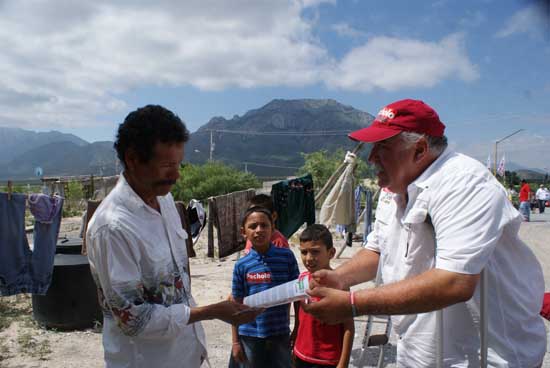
column 385, row 114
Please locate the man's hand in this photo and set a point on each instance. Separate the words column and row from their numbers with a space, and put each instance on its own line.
column 235, row 313
column 228, row 311
column 237, row 352
column 328, row 278
column 333, row 307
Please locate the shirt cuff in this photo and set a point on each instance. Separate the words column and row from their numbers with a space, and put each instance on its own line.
column 453, row 266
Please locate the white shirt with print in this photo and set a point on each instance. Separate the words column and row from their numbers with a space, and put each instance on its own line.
column 139, row 261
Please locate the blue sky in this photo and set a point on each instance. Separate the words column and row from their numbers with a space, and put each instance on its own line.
column 80, row 67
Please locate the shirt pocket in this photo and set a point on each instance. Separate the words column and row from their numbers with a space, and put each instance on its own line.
column 418, row 235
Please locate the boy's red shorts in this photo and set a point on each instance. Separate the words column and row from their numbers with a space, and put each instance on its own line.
column 545, row 311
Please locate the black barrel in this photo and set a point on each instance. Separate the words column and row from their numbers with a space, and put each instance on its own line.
column 71, row 300
column 67, row 245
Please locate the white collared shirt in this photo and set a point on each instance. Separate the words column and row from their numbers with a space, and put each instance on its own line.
column 139, row 261
column 476, row 227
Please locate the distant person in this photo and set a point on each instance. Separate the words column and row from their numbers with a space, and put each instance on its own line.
column 525, row 200
column 138, row 258
column 442, row 221
column 320, row 345
column 265, row 341
column 277, row 238
column 541, row 198
column 546, row 194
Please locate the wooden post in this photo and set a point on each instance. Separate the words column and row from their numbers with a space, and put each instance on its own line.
column 10, row 189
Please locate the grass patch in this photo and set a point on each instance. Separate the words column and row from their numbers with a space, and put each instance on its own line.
column 33, row 347
column 15, row 308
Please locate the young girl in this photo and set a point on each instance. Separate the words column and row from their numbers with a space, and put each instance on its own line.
column 265, row 341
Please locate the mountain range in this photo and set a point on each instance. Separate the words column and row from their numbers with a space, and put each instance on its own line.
column 268, row 141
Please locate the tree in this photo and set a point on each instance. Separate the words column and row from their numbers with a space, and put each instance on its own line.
column 512, row 177
column 322, row 164
column 74, row 195
column 211, row 179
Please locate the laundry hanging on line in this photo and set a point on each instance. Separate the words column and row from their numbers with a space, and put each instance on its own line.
column 339, row 206
column 225, row 212
column 294, row 201
column 23, row 270
column 185, row 224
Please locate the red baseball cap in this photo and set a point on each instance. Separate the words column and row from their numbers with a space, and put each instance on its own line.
column 401, row 116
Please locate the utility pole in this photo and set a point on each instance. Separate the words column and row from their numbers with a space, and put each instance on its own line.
column 211, row 144
column 496, row 149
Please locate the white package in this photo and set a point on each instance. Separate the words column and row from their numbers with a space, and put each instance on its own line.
column 282, row 294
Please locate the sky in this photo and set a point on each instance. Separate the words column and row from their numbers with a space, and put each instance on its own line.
column 81, row 66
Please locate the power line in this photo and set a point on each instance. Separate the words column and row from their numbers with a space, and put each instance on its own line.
column 269, row 165
column 286, row 133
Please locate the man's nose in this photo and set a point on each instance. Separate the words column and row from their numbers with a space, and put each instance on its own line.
column 175, row 174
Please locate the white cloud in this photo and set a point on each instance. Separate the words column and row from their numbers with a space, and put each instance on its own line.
column 345, row 30
column 530, row 20
column 391, row 63
column 66, row 63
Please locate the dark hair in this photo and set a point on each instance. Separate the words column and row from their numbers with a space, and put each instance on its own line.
column 262, row 200
column 317, row 232
column 251, row 210
column 145, row 127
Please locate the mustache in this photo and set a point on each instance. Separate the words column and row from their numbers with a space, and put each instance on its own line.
column 164, row 182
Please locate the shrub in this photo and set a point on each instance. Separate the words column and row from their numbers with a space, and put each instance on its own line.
column 211, row 179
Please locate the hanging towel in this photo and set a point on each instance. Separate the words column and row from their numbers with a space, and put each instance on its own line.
column 225, row 213
column 339, row 206
column 294, row 201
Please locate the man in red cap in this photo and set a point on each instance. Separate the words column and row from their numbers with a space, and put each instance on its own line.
column 441, row 220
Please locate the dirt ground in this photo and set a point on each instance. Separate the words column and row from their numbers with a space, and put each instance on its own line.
column 23, row 344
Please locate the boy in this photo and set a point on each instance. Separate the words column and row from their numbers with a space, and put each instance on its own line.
column 262, row 343
column 319, row 344
column 277, row 238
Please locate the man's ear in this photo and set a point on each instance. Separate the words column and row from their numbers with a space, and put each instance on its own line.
column 422, row 150
column 274, row 217
column 130, row 159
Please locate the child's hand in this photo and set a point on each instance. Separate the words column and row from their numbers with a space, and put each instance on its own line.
column 237, row 352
